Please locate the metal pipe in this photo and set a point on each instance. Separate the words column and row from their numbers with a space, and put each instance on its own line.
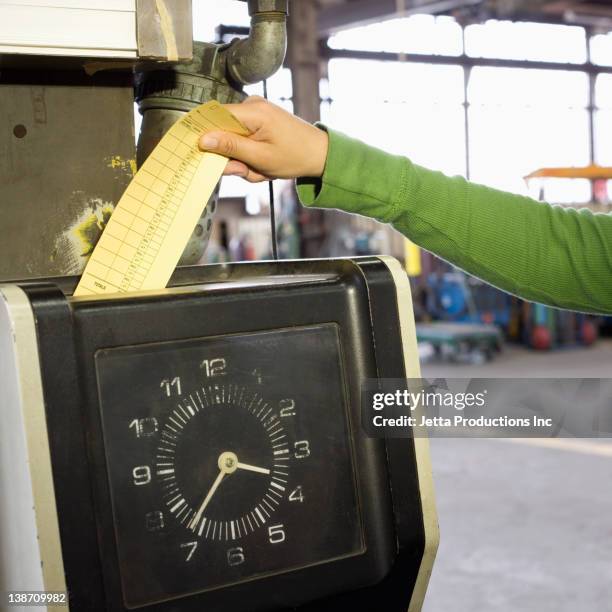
column 259, row 56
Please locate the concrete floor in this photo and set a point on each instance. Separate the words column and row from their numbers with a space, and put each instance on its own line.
column 515, row 362
column 526, row 526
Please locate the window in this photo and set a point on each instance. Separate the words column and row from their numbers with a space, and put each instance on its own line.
column 603, row 120
column 417, row 34
column 527, row 41
column 601, row 49
column 208, row 15
column 522, row 120
column 408, row 109
column 529, row 88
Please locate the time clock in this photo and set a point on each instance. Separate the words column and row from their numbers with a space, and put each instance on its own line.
column 200, row 448
column 216, row 450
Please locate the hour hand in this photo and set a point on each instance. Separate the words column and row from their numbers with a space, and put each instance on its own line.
column 252, row 468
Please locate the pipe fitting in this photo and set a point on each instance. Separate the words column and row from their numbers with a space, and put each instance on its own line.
column 259, row 56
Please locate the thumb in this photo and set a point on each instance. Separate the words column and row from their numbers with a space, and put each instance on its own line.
column 230, row 145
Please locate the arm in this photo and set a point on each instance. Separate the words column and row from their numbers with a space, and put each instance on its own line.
column 542, row 253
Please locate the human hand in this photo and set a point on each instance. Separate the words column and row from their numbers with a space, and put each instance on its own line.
column 280, row 145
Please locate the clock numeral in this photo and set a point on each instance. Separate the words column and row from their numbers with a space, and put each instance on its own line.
column 192, row 548
column 154, row 521
column 302, row 449
column 144, row 428
column 257, row 374
column 287, row 408
column 276, row 533
column 214, row 367
column 141, row 475
column 235, row 556
column 171, row 385
column 297, row 495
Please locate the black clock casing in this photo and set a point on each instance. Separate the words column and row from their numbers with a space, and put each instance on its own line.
column 274, row 399
column 385, row 545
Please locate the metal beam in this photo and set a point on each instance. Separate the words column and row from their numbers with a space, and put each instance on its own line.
column 362, row 12
column 303, row 59
column 459, row 60
column 569, row 18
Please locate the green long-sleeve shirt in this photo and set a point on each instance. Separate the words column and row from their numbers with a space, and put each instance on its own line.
column 542, row 253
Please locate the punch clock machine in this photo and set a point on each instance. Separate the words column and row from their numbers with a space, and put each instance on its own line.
column 197, row 447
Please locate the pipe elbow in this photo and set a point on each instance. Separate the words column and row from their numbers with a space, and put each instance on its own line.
column 259, row 56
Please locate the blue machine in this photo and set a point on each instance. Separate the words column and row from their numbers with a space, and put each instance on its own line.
column 455, row 297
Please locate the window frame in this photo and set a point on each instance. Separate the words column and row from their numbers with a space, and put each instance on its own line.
column 468, row 62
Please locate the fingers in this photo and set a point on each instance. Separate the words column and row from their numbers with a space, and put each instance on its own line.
column 232, row 146
column 255, row 177
column 236, row 168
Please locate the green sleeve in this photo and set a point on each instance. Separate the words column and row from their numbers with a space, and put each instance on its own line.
column 547, row 254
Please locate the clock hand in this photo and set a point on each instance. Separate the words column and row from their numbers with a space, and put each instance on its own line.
column 252, row 468
column 196, row 519
column 228, row 464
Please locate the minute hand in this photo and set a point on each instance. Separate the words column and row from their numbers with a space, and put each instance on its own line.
column 196, row 519
column 252, row 468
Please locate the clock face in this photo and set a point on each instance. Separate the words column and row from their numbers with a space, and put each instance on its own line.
column 228, row 459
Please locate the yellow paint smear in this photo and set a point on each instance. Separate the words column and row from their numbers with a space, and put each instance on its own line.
column 88, row 231
column 118, row 162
